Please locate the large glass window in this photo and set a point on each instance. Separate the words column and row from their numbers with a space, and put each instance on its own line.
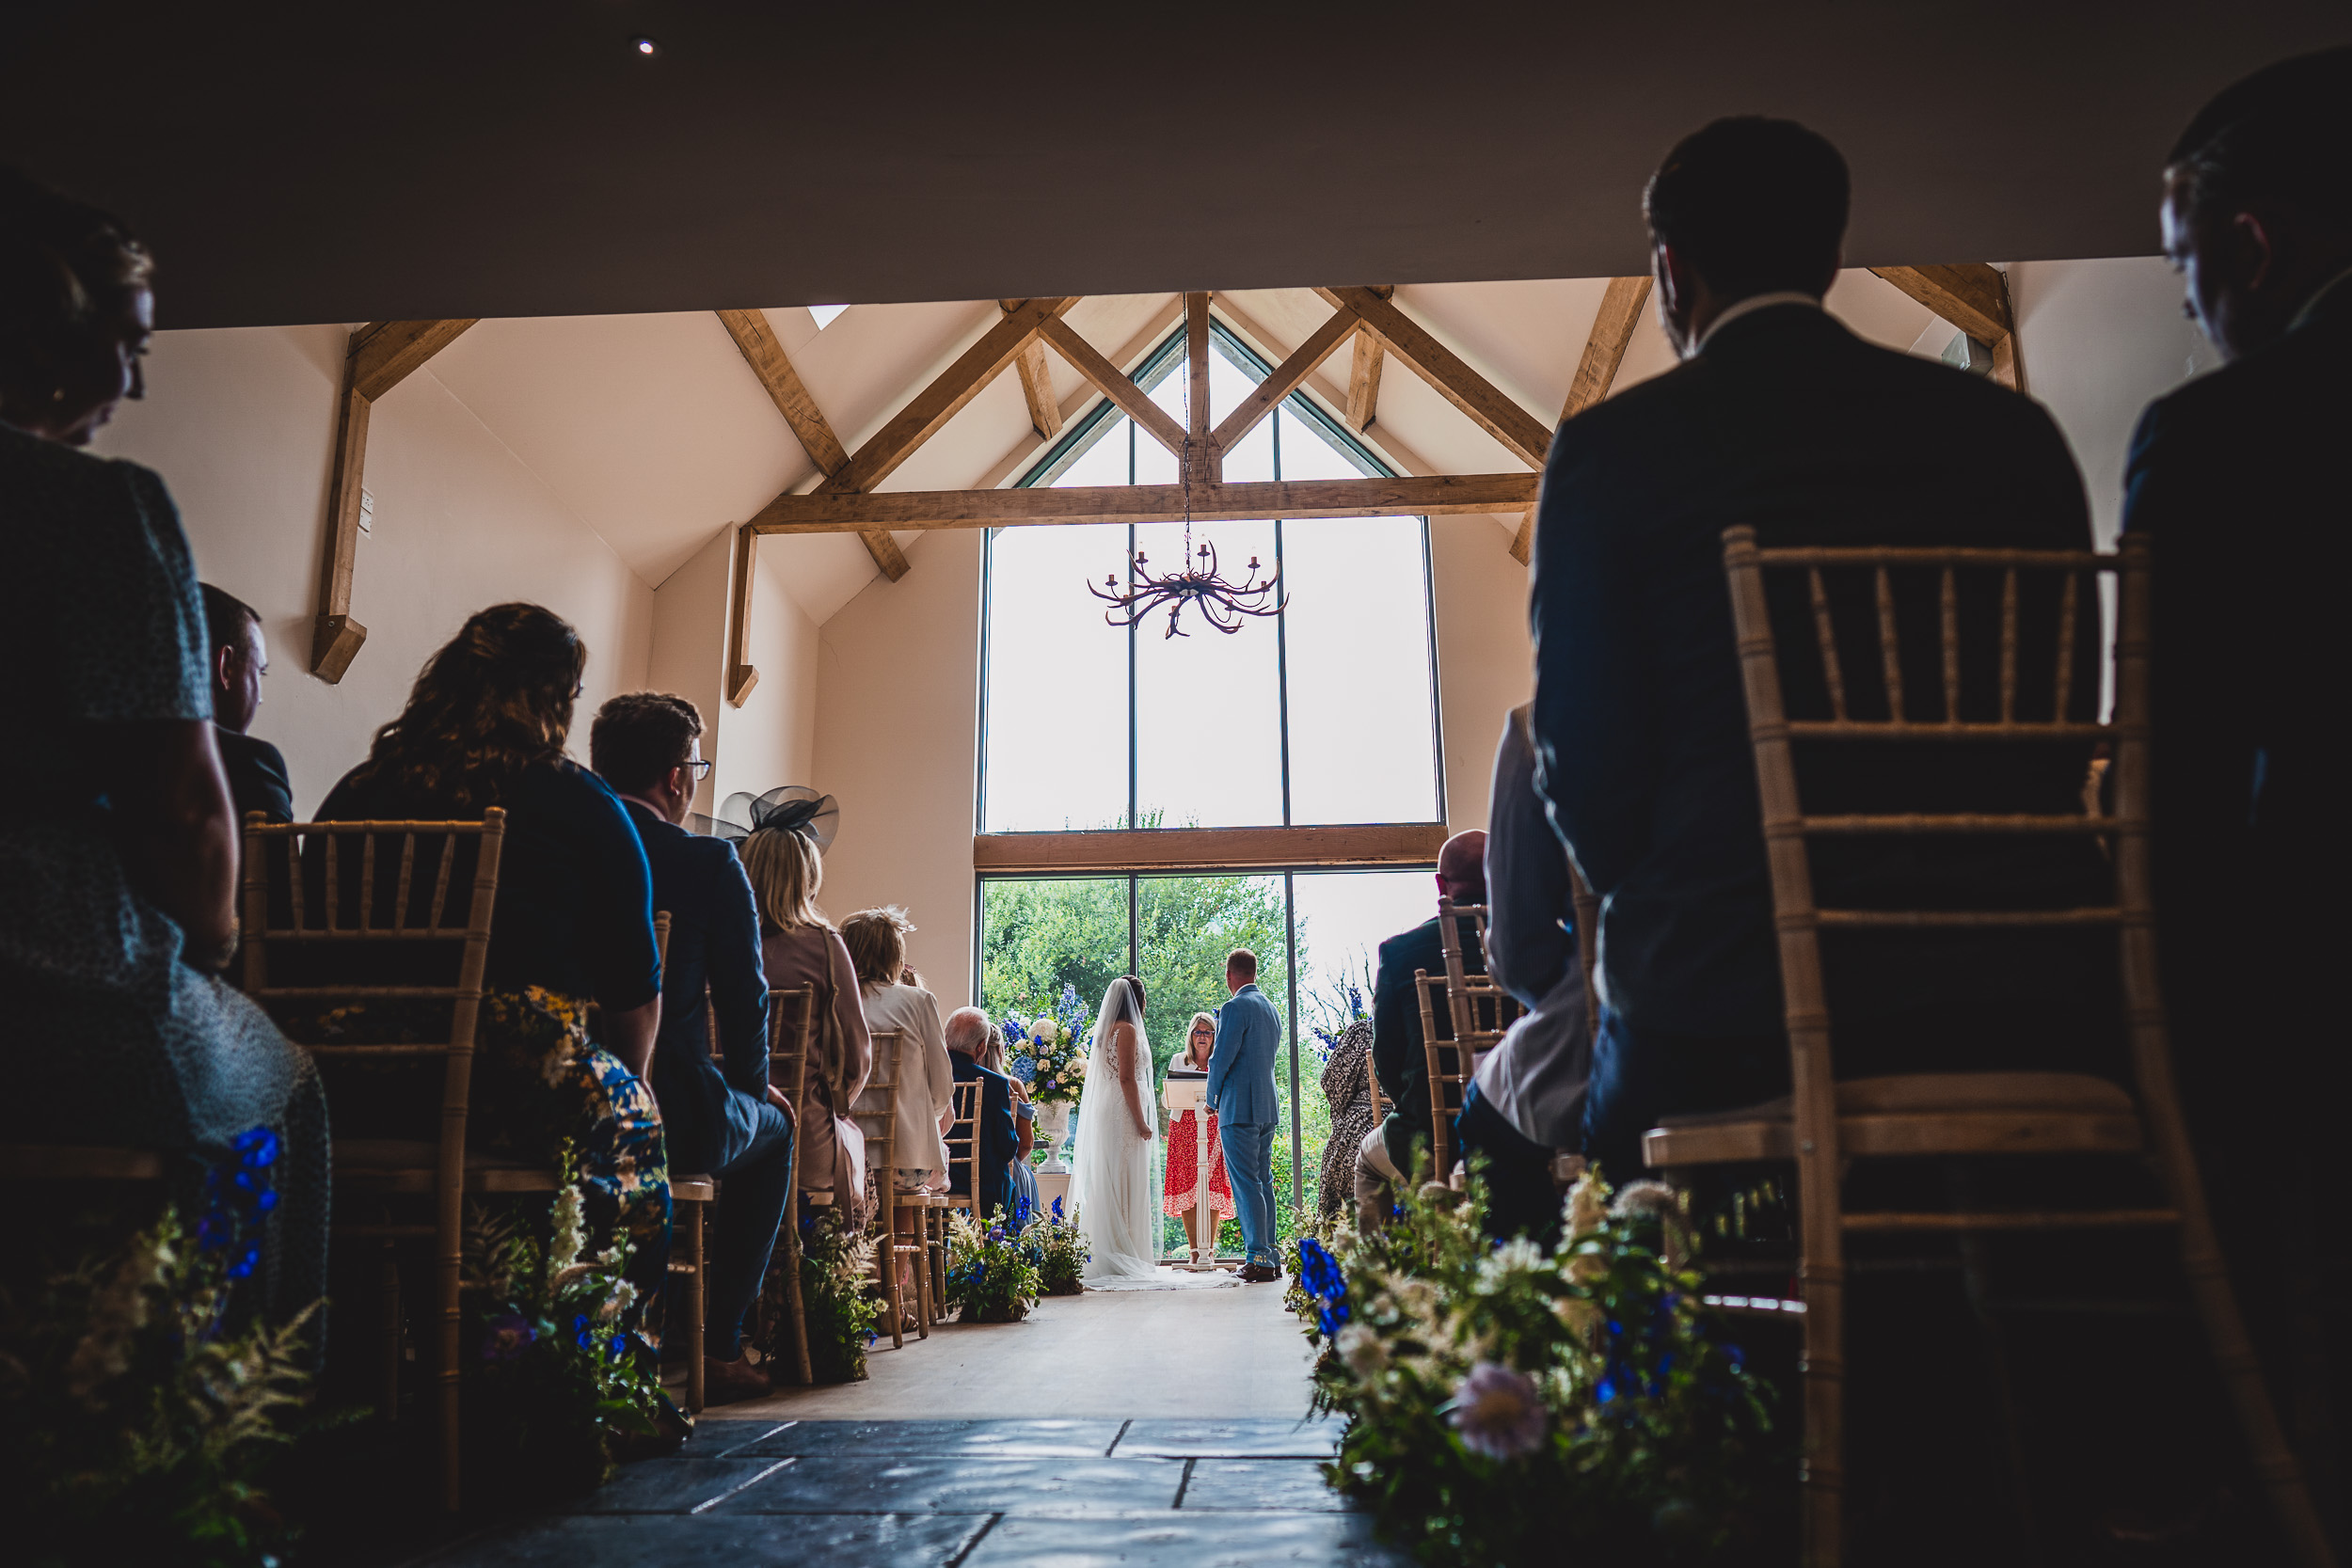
column 1317, row 936
column 1324, row 714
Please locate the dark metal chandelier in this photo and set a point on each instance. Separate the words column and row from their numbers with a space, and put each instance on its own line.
column 1196, row 579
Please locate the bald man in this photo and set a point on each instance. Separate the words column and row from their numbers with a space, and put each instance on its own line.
column 1398, row 1058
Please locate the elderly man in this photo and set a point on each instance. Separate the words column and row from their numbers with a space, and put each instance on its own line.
column 967, row 1039
column 1386, row 1158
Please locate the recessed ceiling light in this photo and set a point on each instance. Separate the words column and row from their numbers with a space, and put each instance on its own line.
column 645, row 47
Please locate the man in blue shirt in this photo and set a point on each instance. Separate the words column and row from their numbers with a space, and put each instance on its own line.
column 719, row 1116
column 1241, row 1092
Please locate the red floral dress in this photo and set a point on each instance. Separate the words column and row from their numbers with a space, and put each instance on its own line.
column 1183, row 1172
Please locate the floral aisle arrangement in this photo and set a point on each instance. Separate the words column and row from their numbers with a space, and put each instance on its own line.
column 992, row 1276
column 556, row 1379
column 1056, row 1247
column 1516, row 1403
column 135, row 1422
column 1048, row 1051
column 836, row 1296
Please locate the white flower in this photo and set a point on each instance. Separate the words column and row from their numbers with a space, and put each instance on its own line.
column 1363, row 1350
column 1078, row 1069
column 1517, row 1256
column 1587, row 1205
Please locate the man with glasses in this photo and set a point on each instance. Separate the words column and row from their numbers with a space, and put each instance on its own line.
column 719, row 1116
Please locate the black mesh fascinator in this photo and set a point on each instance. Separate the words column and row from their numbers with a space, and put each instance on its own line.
column 795, row 808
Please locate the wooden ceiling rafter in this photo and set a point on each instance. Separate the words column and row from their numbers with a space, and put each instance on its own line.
column 1036, row 382
column 1284, row 379
column 1488, row 406
column 1613, row 326
column 1363, row 373
column 379, row 357
column 1974, row 297
column 1116, row 384
column 1216, row 501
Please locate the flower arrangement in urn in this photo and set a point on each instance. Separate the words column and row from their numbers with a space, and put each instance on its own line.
column 1048, row 1051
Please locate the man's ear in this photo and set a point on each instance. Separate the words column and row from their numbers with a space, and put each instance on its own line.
column 2258, row 250
column 224, row 664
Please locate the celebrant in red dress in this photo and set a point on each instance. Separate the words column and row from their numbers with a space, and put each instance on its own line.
column 1183, row 1153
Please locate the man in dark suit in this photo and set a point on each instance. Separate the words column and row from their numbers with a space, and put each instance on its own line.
column 2238, row 477
column 1781, row 419
column 1399, row 1058
column 997, row 1137
column 719, row 1118
column 240, row 657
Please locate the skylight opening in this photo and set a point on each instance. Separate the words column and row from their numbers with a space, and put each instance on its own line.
column 825, row 315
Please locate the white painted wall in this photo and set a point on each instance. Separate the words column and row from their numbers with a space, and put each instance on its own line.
column 2102, row 339
column 896, row 734
column 241, row 422
column 771, row 739
column 1486, row 660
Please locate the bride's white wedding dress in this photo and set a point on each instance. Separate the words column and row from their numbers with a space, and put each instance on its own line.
column 1110, row 1182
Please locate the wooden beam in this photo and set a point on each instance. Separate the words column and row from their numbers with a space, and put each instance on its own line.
column 1284, row 379
column 1202, row 459
column 1363, row 382
column 1116, row 384
column 741, row 674
column 946, row 397
column 757, row 342
column 1437, row 494
column 384, row 354
column 1613, row 326
column 1971, row 296
column 1499, row 416
column 379, row 357
column 1975, row 298
column 1037, row 387
column 1204, row 848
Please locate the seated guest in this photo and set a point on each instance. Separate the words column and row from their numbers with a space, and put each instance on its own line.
column 1388, row 1151
column 1782, row 419
column 118, row 838
column 784, row 855
column 238, row 660
column 877, row 941
column 1023, row 1120
column 722, row 1117
column 966, row 1031
column 572, row 924
column 1527, row 1103
column 2238, row 478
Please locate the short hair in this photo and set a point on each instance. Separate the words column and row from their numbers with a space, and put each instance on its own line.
column 1462, row 862
column 64, row 267
column 967, row 1031
column 1243, row 963
column 2282, row 135
column 640, row 736
column 226, row 616
column 877, row 940
column 1752, row 205
column 787, row 870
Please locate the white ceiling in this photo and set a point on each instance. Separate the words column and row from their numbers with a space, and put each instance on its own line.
column 656, row 434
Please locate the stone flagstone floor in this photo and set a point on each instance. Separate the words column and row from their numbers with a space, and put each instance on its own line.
column 1070, row 1493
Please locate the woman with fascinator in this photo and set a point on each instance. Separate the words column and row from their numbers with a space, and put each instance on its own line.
column 782, row 836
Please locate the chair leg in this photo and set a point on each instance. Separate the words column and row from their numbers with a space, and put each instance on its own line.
column 390, row 1297
column 921, row 1258
column 446, row 1371
column 697, row 1294
column 888, row 1254
column 793, row 1308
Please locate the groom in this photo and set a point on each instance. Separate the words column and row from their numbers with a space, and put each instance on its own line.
column 1241, row 1092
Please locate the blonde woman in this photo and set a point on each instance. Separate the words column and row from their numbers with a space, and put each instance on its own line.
column 799, row 947
column 1180, row 1195
column 877, row 940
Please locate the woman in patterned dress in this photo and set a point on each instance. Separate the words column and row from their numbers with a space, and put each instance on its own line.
column 572, row 924
column 1182, row 1196
column 118, row 840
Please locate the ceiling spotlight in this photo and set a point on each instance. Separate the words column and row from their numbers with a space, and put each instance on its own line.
column 645, row 47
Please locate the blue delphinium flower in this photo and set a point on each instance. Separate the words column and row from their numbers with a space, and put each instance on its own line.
column 243, row 1268
column 618, row 1348
column 581, row 1334
column 1057, row 1211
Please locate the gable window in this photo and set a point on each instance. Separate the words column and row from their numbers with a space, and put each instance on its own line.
column 1323, row 715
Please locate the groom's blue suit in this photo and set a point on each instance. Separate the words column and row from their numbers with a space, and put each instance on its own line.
column 1241, row 1092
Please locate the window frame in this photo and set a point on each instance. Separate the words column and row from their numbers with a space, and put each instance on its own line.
column 1156, row 366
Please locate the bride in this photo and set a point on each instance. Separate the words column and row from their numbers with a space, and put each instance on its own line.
column 1111, row 1184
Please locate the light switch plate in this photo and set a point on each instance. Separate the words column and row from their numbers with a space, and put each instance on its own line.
column 367, row 510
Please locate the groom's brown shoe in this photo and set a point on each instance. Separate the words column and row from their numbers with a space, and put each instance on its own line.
column 1258, row 1273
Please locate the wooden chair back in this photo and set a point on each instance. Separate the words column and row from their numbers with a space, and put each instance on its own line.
column 791, row 1024
column 389, row 886
column 1974, row 696
column 1450, row 1066
column 1478, row 1010
column 964, row 1145
column 1587, row 906
column 876, row 1113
